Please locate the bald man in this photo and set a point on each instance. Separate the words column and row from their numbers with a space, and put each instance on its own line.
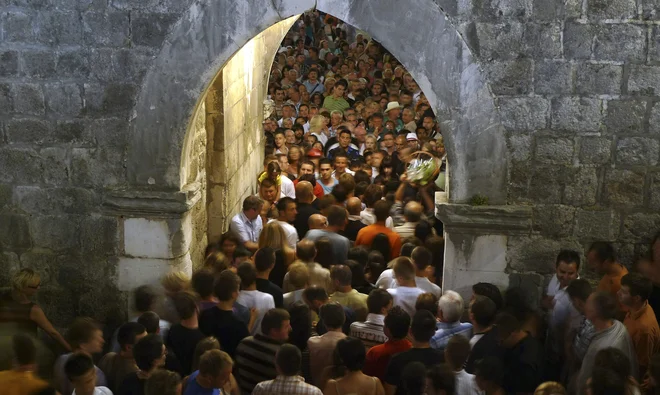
column 304, row 199
column 318, row 276
column 412, row 214
column 317, row 221
column 353, row 206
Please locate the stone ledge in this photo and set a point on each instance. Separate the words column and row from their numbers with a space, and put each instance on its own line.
column 480, row 220
column 148, row 203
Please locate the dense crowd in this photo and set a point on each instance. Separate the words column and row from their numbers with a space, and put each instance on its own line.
column 329, row 280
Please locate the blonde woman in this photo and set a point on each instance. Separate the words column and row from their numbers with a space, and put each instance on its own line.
column 25, row 316
column 173, row 283
column 273, row 236
column 318, row 126
column 370, row 143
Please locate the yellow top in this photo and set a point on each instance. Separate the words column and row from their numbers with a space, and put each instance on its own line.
column 14, row 382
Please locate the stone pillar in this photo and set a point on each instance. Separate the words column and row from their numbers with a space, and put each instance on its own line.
column 155, row 233
column 476, row 239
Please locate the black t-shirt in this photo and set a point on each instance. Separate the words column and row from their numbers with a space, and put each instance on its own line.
column 427, row 356
column 654, row 301
column 487, row 346
column 132, row 385
column 523, row 366
column 301, row 223
column 268, row 287
column 222, row 324
column 182, row 341
column 352, row 228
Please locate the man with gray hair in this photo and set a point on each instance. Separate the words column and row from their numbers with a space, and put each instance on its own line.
column 450, row 310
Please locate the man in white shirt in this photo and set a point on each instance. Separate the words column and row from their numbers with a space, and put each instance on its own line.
column 247, row 224
column 405, row 295
column 456, row 354
column 412, row 213
column 286, row 210
column 423, row 261
column 250, row 297
column 372, row 194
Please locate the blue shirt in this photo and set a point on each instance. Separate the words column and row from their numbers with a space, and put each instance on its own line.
column 245, row 229
column 193, row 387
column 447, row 330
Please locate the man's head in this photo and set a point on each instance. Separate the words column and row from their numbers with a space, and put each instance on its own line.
column 508, row 329
column 340, row 88
column 129, row 334
column 315, row 297
column 578, row 291
column 423, row 326
column 422, row 258
column 276, row 324
column 457, row 352
column 341, row 163
column 151, row 322
column 490, row 291
column 337, row 217
column 450, row 307
column 404, row 270
column 288, row 360
column 264, row 260
column 252, row 207
column 600, row 256
column 298, row 275
column 333, row 315
column 268, row 190
column 227, row 286
column 163, row 382
column 601, row 306
column 215, row 367
column 440, row 380
column 317, row 221
column 325, row 169
column 185, row 303
column 287, row 209
column 388, row 140
column 149, row 353
column 354, row 206
column 344, row 138
column 341, row 276
column 413, row 212
column 427, row 301
column 85, row 335
column 482, row 311
column 80, row 370
column 304, row 192
column 635, row 290
column 248, row 274
column 379, row 301
column 306, row 167
column 567, row 267
column 489, row 374
column 397, row 323
column 400, row 142
column 381, row 210
column 306, row 250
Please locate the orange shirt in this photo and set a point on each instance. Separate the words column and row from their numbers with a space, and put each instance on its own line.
column 367, row 234
column 642, row 326
column 14, row 382
column 612, row 284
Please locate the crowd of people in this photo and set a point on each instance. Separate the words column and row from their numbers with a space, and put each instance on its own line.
column 329, row 279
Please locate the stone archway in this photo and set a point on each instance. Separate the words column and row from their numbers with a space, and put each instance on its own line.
column 206, row 38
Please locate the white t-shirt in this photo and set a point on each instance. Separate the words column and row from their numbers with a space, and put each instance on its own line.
column 258, row 300
column 369, row 218
column 291, row 233
column 288, row 189
column 98, row 391
column 553, row 286
column 386, row 280
column 406, row 297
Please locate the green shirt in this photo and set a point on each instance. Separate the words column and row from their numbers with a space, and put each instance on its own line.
column 333, row 104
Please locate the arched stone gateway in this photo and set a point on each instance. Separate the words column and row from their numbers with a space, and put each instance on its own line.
column 211, row 32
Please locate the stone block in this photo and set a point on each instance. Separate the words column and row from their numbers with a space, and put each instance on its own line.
column 72, row 132
column 520, row 146
column 537, row 254
column 654, row 43
column 643, row 80
column 110, row 99
column 597, row 225
column 595, row 150
column 38, row 63
column 5, row 196
column 650, row 9
column 14, row 232
column 28, row 99
column 553, row 78
column 110, row 133
column 654, row 120
column 576, row 114
column 150, row 29
column 543, row 40
column 103, row 29
column 133, row 272
column 546, row 184
column 640, row 227
column 63, row 99
column 8, row 63
column 96, row 167
column 625, row 116
column 598, row 79
column 581, row 186
column 554, row 150
column 6, row 100
column 46, row 263
column 499, row 41
column 578, row 40
column 99, row 235
column 59, row 28
column 57, row 233
column 112, row 65
column 611, row 9
column 20, row 165
column 512, row 77
column 524, row 113
column 144, row 238
column 55, row 165
column 530, row 284
column 449, row 7
column 637, row 151
column 609, row 38
column 550, row 10
column 623, row 187
column 654, row 191
column 73, row 63
column 9, row 264
column 553, row 220
column 43, row 201
column 18, row 26
column 59, row 304
column 33, row 131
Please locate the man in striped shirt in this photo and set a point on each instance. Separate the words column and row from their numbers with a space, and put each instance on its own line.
column 287, row 382
column 371, row 331
column 255, row 355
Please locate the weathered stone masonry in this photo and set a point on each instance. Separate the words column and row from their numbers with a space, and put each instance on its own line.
column 550, row 109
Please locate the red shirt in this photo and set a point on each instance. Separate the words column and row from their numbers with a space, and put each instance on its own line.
column 367, row 234
column 378, row 357
column 318, row 189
